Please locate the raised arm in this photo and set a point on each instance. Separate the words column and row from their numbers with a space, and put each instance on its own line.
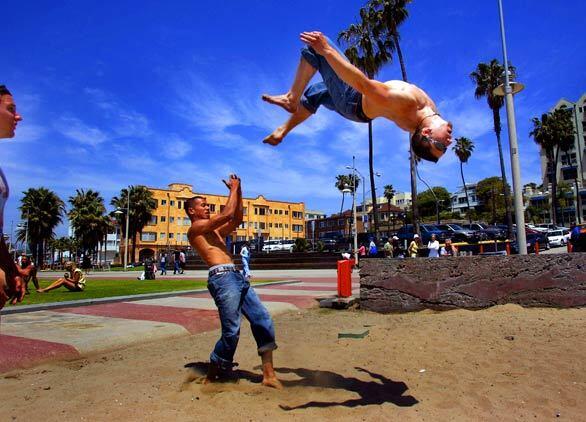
column 344, row 69
column 233, row 224
column 202, row 226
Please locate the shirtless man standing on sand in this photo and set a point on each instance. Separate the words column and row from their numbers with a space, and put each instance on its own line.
column 348, row 91
column 231, row 291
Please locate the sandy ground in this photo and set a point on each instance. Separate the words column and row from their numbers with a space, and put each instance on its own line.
column 505, row 362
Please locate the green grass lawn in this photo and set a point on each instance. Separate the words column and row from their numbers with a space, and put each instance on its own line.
column 96, row 288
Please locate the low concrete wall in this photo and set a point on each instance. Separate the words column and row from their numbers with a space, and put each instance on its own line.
column 390, row 285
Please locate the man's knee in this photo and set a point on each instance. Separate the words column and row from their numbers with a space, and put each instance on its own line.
column 310, row 56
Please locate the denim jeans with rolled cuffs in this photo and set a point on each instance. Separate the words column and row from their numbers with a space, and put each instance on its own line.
column 333, row 93
column 234, row 297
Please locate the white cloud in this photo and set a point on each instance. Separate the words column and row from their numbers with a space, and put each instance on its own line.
column 75, row 129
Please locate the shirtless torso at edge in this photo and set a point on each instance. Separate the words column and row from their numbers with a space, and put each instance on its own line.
column 206, row 235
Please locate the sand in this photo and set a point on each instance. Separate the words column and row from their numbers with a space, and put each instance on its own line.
column 503, row 363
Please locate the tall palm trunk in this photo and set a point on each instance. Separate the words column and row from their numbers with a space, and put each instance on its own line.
column 465, row 191
column 342, row 205
column 372, row 189
column 497, row 128
column 412, row 162
column 554, row 188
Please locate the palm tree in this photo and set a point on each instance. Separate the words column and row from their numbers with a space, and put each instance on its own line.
column 463, row 150
column 142, row 204
column 389, row 195
column 344, row 181
column 487, row 77
column 388, row 15
column 367, row 52
column 88, row 219
column 42, row 209
column 554, row 132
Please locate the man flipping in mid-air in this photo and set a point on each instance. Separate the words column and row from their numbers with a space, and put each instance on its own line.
column 348, row 91
column 231, row 290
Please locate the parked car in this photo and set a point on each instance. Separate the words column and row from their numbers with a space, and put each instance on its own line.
column 278, row 245
column 532, row 240
column 406, row 233
column 491, row 232
column 558, row 237
column 462, row 234
column 547, row 227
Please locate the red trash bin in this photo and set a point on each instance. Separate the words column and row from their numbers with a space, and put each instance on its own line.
column 345, row 278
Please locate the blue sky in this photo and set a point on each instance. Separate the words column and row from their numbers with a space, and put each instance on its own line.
column 145, row 92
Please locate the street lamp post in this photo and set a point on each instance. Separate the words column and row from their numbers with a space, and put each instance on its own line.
column 127, row 224
column 508, row 90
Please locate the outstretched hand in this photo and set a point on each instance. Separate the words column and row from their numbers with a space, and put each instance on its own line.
column 316, row 40
column 233, row 182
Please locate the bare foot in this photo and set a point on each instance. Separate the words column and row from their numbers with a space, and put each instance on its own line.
column 284, row 101
column 272, row 382
column 274, row 138
column 40, row 291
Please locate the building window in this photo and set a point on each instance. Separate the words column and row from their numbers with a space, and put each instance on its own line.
column 286, row 212
column 322, row 224
column 286, row 226
column 153, row 220
column 171, row 219
column 162, row 236
column 171, row 235
column 179, row 204
column 242, row 226
column 212, row 207
column 297, row 228
column 262, row 225
column 184, row 237
column 255, row 225
column 244, row 212
column 297, row 214
column 148, row 236
column 270, row 225
column 172, row 203
column 186, row 221
column 163, row 219
column 163, row 202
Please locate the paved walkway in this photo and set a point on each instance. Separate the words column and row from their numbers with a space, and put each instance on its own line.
column 30, row 338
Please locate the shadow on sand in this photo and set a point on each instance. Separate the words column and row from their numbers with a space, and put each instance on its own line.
column 377, row 391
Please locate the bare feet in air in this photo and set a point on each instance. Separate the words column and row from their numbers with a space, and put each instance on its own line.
column 284, row 101
column 275, row 138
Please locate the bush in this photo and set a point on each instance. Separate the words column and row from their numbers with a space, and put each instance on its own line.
column 301, row 245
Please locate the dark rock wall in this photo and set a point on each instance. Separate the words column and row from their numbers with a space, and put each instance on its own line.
column 389, row 285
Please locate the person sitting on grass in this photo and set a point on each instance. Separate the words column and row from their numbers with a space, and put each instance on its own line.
column 27, row 264
column 73, row 280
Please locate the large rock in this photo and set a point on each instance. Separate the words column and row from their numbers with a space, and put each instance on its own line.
column 390, row 285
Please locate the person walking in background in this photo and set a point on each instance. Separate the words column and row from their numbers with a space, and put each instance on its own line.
column 163, row 264
column 414, row 246
column 398, row 251
column 182, row 261
column 176, row 268
column 388, row 249
column 245, row 255
column 433, row 246
column 372, row 249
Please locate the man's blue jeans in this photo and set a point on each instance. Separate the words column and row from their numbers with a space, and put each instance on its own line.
column 234, row 297
column 333, row 93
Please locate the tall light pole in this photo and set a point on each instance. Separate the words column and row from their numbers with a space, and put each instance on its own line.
column 354, row 169
column 355, row 228
column 127, row 224
column 508, row 90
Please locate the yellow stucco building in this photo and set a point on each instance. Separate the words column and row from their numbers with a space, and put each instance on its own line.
column 168, row 227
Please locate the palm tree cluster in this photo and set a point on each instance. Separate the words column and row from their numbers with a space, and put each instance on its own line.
column 344, row 181
column 554, row 132
column 43, row 211
column 142, row 205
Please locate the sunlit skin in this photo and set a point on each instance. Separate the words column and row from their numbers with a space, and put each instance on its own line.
column 10, row 290
column 206, row 235
column 408, row 106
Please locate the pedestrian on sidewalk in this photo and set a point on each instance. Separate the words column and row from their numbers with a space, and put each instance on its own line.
column 182, row 261
column 176, row 268
column 163, row 264
column 231, row 291
column 245, row 256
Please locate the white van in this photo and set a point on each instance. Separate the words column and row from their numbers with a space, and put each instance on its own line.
column 558, row 237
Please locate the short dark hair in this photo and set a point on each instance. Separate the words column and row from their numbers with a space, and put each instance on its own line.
column 190, row 203
column 4, row 90
column 421, row 146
